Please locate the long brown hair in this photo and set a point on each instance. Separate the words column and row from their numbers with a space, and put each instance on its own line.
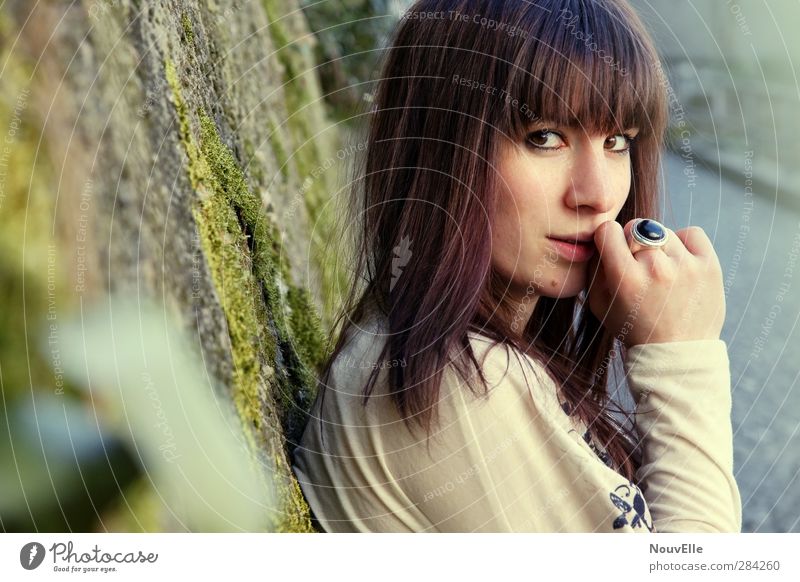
column 428, row 185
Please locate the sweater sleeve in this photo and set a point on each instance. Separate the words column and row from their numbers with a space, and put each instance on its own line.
column 514, row 461
column 683, row 410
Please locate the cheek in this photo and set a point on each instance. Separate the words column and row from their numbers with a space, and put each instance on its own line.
column 506, row 238
column 528, row 195
column 515, row 206
column 525, row 194
column 520, row 223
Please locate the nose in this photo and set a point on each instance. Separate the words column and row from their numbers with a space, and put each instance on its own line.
column 589, row 178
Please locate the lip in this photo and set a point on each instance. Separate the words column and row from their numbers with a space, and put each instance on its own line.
column 580, row 237
column 574, row 252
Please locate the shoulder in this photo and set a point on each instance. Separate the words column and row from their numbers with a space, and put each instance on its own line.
column 510, row 374
column 501, row 360
column 360, row 355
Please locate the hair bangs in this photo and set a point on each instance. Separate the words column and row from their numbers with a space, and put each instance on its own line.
column 584, row 66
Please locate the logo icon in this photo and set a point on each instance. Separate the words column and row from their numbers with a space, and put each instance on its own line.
column 402, row 254
column 31, row 555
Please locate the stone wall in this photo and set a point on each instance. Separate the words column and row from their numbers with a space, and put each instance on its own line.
column 167, row 149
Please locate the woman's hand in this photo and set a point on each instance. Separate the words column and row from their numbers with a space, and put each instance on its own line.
column 669, row 294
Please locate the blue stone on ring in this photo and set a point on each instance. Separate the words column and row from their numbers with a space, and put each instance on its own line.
column 649, row 232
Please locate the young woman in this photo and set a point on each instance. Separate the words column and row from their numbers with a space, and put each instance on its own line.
column 471, row 385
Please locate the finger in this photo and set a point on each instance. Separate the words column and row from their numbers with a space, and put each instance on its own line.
column 672, row 248
column 615, row 256
column 656, row 263
column 696, row 241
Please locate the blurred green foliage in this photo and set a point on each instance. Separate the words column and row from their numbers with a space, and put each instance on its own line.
column 352, row 34
column 59, row 470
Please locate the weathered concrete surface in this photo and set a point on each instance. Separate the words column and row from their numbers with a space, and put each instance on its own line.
column 167, row 149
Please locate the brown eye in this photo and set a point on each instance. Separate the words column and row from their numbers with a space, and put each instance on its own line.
column 619, row 143
column 545, row 139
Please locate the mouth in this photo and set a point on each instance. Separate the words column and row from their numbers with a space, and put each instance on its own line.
column 577, row 249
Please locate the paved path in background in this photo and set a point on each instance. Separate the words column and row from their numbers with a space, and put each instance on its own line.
column 758, row 243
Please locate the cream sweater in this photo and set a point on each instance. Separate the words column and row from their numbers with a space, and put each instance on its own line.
column 515, row 461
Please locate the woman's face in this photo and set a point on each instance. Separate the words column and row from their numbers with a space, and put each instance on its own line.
column 558, row 183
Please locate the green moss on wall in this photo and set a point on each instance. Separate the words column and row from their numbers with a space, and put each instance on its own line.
column 188, row 31
column 276, row 336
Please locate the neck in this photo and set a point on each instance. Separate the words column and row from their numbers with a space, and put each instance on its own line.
column 516, row 309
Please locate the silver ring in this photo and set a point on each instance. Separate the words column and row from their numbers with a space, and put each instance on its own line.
column 649, row 233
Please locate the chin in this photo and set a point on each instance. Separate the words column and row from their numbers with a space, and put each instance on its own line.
column 563, row 286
